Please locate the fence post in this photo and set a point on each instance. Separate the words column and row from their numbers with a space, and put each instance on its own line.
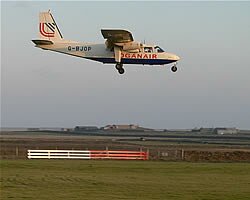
column 147, row 153
column 176, row 154
column 107, row 152
column 17, row 152
column 182, row 154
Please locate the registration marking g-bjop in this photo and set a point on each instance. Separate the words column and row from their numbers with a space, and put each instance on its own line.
column 79, row 48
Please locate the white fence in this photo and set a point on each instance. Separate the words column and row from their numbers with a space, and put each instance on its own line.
column 65, row 154
column 87, row 154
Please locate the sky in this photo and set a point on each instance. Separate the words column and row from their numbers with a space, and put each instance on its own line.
column 210, row 89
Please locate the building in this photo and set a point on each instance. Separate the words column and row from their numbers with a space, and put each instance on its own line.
column 86, row 129
column 120, row 127
column 125, row 127
column 222, row 131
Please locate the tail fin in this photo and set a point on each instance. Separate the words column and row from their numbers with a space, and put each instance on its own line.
column 48, row 30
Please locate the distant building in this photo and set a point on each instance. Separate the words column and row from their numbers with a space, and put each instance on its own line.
column 195, row 130
column 129, row 127
column 86, row 128
column 222, row 131
column 120, row 127
column 203, row 130
column 206, row 130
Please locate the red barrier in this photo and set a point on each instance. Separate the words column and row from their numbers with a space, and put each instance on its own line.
column 119, row 155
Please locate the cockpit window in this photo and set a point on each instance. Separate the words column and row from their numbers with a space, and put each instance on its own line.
column 158, row 49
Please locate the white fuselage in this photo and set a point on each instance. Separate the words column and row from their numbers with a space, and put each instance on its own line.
column 100, row 53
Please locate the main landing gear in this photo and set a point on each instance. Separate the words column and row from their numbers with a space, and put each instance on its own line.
column 119, row 67
column 174, row 68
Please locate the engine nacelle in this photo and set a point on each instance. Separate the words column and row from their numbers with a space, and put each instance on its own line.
column 131, row 46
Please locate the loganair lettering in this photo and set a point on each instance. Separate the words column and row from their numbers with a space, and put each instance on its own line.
column 139, row 55
column 119, row 47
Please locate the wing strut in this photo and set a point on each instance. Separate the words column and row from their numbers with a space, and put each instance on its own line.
column 117, row 54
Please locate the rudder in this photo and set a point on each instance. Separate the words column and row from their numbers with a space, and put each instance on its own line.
column 48, row 29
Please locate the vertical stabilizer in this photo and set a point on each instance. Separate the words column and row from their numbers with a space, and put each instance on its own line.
column 48, row 30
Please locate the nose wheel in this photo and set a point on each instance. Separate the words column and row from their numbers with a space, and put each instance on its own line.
column 119, row 68
column 174, row 68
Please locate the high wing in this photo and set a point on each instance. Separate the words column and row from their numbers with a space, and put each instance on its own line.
column 120, row 40
column 117, row 36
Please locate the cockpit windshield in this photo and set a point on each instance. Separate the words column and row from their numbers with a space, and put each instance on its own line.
column 158, row 49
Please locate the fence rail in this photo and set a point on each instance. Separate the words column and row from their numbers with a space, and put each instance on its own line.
column 87, row 154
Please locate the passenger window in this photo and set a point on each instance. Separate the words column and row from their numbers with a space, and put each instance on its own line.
column 148, row 49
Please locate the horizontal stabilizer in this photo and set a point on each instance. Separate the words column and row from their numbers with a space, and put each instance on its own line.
column 42, row 42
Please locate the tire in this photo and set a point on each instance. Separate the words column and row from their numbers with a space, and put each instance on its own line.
column 118, row 66
column 121, row 71
column 174, row 68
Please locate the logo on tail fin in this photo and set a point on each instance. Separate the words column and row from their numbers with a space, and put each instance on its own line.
column 50, row 29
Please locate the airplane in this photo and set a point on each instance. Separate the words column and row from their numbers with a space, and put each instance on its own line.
column 119, row 47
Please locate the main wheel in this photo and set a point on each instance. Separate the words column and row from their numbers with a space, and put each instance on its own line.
column 174, row 68
column 121, row 71
column 118, row 66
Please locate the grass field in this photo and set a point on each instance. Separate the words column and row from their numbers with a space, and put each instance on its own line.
column 111, row 180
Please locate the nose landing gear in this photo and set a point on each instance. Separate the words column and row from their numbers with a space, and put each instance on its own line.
column 174, row 68
column 119, row 68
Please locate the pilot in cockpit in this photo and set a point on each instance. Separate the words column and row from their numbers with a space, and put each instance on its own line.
column 158, row 49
